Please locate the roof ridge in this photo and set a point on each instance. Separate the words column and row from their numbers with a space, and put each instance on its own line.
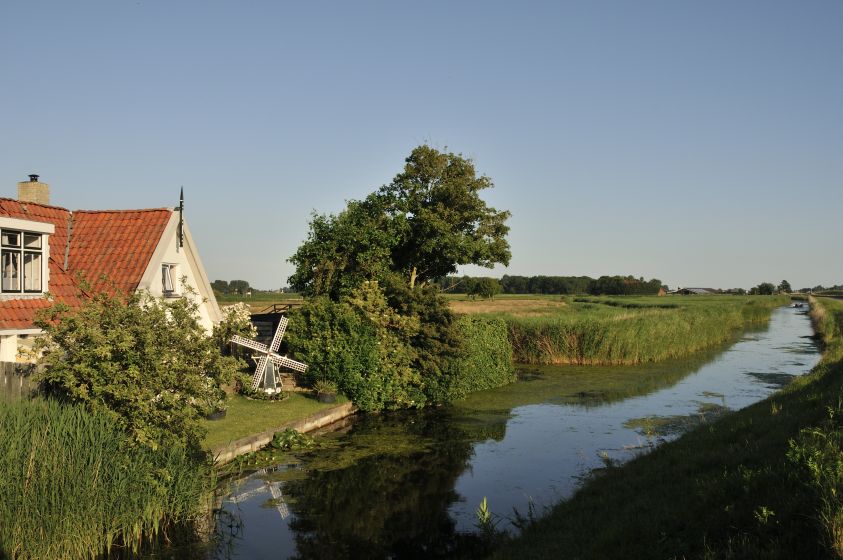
column 123, row 211
column 27, row 203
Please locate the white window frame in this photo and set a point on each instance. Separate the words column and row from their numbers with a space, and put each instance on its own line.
column 24, row 229
column 169, row 280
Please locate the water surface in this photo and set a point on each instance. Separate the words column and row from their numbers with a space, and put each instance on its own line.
column 406, row 485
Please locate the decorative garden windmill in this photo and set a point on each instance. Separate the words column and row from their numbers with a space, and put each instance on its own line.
column 269, row 357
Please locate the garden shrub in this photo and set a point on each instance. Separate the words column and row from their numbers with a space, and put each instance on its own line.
column 145, row 362
column 399, row 349
column 357, row 344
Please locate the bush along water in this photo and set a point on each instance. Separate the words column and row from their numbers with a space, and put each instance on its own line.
column 486, row 359
column 75, row 487
column 408, row 352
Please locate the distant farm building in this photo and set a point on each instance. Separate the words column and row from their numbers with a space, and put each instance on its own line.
column 692, row 292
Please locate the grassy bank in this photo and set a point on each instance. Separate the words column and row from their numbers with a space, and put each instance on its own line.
column 72, row 488
column 764, row 482
column 628, row 330
column 245, row 417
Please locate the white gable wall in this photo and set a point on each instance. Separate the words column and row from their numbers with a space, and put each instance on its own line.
column 188, row 266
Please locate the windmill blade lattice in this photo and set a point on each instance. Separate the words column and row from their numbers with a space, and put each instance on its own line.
column 267, row 353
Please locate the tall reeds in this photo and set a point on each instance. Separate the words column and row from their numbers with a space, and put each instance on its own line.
column 612, row 332
column 72, row 487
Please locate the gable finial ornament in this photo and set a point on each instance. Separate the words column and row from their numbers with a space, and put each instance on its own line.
column 268, row 358
column 180, row 236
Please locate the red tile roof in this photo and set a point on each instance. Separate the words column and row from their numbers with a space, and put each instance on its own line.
column 117, row 244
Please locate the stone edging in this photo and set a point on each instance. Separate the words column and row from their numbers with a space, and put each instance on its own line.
column 226, row 453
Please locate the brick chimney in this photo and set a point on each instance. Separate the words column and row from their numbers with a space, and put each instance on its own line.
column 34, row 191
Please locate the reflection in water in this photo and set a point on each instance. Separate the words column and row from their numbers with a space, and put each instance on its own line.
column 390, row 504
column 406, row 485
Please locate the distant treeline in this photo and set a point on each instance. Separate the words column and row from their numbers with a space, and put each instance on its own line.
column 822, row 289
column 605, row 285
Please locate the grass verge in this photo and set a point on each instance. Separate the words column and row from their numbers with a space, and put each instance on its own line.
column 764, row 482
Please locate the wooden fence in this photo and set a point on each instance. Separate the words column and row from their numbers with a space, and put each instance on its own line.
column 16, row 380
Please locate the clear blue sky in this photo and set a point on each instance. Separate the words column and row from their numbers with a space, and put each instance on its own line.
column 697, row 142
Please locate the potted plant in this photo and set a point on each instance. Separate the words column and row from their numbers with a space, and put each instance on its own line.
column 326, row 391
column 216, row 405
column 217, row 411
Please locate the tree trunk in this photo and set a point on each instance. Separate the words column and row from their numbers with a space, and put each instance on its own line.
column 413, row 278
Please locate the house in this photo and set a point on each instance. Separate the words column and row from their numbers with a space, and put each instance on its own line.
column 50, row 251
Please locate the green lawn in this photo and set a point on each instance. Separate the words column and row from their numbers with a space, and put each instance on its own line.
column 246, row 417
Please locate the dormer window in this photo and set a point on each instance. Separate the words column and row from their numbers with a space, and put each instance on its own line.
column 22, row 260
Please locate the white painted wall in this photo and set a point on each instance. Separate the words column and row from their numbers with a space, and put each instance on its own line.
column 8, row 348
column 188, row 266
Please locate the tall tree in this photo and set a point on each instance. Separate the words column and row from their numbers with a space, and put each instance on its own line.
column 405, row 235
column 441, row 219
column 238, row 286
column 426, row 222
column 485, row 288
column 784, row 287
column 220, row 286
column 765, row 289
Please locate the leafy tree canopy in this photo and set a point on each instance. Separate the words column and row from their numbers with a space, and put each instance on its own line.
column 485, row 288
column 238, row 286
column 220, row 286
column 426, row 222
column 763, row 289
column 441, row 220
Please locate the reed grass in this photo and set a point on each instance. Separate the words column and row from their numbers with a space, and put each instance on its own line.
column 72, row 487
column 627, row 331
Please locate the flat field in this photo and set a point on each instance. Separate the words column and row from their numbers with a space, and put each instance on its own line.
column 514, row 306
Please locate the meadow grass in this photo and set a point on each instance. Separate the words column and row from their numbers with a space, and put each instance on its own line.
column 259, row 297
column 73, row 488
column 631, row 330
column 764, row 482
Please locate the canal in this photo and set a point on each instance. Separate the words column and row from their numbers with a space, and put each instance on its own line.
column 407, row 485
